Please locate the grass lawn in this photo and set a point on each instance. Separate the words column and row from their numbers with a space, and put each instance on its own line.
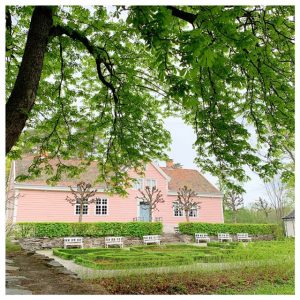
column 11, row 247
column 233, row 268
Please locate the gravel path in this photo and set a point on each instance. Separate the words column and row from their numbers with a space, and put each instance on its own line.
column 32, row 273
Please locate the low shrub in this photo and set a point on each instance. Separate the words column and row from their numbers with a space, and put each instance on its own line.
column 11, row 247
column 213, row 229
column 147, row 257
column 134, row 263
column 98, row 229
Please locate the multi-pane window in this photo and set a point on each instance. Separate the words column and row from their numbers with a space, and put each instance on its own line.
column 138, row 184
column 177, row 211
column 193, row 212
column 151, row 183
column 84, row 210
column 101, row 206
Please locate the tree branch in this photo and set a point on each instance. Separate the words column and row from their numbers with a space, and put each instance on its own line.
column 186, row 16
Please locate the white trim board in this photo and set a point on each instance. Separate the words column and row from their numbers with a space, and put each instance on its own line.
column 212, row 195
column 161, row 171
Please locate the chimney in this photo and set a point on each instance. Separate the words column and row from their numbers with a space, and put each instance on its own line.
column 169, row 163
column 43, row 154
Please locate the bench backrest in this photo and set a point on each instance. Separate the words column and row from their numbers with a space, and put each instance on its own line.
column 223, row 235
column 114, row 239
column 242, row 235
column 73, row 239
column 201, row 235
column 151, row 237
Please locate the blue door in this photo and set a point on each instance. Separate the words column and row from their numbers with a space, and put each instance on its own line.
column 144, row 212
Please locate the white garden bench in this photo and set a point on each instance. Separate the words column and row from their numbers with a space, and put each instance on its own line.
column 224, row 237
column 73, row 241
column 148, row 239
column 243, row 237
column 114, row 240
column 201, row 237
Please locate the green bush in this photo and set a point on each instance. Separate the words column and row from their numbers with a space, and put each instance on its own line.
column 99, row 229
column 213, row 229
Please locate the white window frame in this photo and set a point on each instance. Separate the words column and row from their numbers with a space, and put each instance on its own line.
column 179, row 210
column 101, row 206
column 193, row 209
column 75, row 206
column 141, row 181
column 151, row 186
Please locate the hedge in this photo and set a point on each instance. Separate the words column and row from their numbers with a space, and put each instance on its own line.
column 97, row 229
column 213, row 228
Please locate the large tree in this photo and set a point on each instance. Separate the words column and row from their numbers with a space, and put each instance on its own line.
column 263, row 205
column 97, row 83
column 233, row 202
column 277, row 193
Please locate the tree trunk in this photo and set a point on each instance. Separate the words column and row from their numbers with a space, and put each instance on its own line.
column 150, row 214
column 267, row 215
column 23, row 95
column 81, row 212
column 187, row 215
column 234, row 216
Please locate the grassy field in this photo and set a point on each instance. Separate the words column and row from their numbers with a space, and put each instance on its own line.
column 261, row 280
column 234, row 268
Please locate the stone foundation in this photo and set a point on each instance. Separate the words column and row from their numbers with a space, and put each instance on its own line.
column 33, row 244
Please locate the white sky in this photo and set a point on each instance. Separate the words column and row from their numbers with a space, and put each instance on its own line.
column 182, row 152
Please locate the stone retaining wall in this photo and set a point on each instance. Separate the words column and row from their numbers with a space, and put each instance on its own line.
column 33, row 244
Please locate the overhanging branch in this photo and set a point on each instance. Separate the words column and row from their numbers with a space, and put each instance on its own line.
column 186, row 16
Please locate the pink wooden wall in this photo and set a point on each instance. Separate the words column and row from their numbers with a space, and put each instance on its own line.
column 42, row 205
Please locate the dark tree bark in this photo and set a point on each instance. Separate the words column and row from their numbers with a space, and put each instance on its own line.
column 23, row 95
column 186, row 16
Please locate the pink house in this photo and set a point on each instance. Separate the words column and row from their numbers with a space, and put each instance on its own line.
column 35, row 201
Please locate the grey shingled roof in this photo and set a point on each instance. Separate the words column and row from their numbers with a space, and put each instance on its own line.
column 291, row 215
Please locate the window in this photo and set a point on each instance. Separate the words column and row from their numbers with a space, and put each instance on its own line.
column 101, row 206
column 151, row 183
column 177, row 211
column 138, row 184
column 193, row 213
column 84, row 211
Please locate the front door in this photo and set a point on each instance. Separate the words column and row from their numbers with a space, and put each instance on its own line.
column 144, row 212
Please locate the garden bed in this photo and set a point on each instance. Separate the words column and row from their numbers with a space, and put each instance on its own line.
column 154, row 256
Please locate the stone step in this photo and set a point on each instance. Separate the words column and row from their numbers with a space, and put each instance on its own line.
column 12, row 291
column 8, row 261
column 12, row 268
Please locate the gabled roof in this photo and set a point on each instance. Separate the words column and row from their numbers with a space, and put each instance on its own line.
column 90, row 175
column 177, row 178
column 191, row 178
column 291, row 215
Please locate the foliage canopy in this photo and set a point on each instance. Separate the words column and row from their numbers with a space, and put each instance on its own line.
column 109, row 76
